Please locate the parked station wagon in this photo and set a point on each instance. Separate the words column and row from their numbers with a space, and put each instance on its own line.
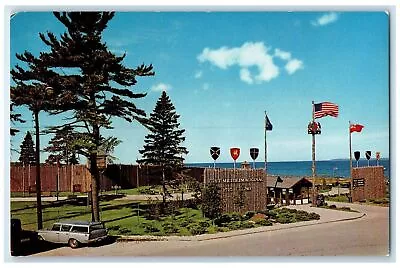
column 74, row 233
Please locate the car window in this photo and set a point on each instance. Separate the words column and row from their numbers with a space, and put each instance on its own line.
column 56, row 227
column 65, row 228
column 79, row 229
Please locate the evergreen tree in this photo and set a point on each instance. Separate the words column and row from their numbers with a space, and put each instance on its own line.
column 14, row 117
column 163, row 144
column 98, row 91
column 27, row 150
column 61, row 149
column 30, row 90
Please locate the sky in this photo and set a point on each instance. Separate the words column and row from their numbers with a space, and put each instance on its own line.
column 222, row 70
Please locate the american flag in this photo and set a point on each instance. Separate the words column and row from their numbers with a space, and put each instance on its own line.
column 325, row 108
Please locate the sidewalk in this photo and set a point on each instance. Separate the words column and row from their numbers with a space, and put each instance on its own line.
column 326, row 216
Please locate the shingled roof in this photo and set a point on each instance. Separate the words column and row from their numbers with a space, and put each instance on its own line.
column 287, row 182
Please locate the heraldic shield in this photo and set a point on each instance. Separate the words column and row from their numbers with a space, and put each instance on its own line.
column 368, row 155
column 215, row 152
column 235, row 152
column 357, row 155
column 254, row 153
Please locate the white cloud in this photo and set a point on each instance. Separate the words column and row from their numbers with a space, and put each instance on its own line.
column 248, row 55
column 198, row 74
column 282, row 54
column 293, row 65
column 161, row 87
column 325, row 19
column 245, row 76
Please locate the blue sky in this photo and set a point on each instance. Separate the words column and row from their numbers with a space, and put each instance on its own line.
column 223, row 69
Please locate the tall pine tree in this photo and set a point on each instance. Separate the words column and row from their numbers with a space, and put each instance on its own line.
column 27, row 150
column 61, row 148
column 30, row 90
column 163, row 144
column 97, row 85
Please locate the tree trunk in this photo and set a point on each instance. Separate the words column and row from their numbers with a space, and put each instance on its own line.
column 95, row 178
column 38, row 182
column 164, row 186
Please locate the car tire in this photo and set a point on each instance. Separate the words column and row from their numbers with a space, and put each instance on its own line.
column 73, row 243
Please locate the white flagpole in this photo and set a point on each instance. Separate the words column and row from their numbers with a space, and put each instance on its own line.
column 351, row 164
column 265, row 141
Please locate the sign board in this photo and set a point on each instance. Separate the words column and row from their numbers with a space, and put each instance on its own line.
column 101, row 162
column 358, row 182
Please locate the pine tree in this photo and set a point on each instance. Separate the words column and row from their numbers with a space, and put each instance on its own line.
column 30, row 90
column 163, row 144
column 98, row 91
column 14, row 117
column 61, row 148
column 27, row 150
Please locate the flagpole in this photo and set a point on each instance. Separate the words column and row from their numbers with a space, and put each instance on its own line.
column 351, row 164
column 313, row 157
column 265, row 141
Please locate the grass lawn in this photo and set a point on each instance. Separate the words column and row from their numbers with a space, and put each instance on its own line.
column 138, row 218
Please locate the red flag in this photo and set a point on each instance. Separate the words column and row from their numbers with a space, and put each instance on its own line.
column 356, row 128
column 235, row 152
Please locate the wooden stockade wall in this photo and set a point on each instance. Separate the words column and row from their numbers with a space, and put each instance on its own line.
column 232, row 181
column 126, row 176
column 374, row 183
column 24, row 177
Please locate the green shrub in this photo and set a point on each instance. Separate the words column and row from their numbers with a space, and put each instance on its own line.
column 247, row 224
column 272, row 213
column 185, row 222
column 248, row 215
column 314, row 216
column 205, row 224
column 169, row 228
column 196, row 229
column 263, row 222
column 211, row 201
column 222, row 220
column 302, row 215
column 236, row 217
column 234, row 225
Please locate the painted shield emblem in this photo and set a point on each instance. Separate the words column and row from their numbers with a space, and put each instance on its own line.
column 378, row 155
column 368, row 155
column 235, row 152
column 215, row 152
column 254, row 153
column 357, row 155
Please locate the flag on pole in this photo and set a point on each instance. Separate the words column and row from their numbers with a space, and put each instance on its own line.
column 356, row 128
column 268, row 125
column 325, row 108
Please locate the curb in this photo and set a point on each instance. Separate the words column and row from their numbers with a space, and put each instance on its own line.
column 227, row 235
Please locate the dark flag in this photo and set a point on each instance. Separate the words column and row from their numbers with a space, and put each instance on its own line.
column 215, row 152
column 254, row 153
column 326, row 108
column 268, row 125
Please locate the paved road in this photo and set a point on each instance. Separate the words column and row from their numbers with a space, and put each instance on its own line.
column 365, row 236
